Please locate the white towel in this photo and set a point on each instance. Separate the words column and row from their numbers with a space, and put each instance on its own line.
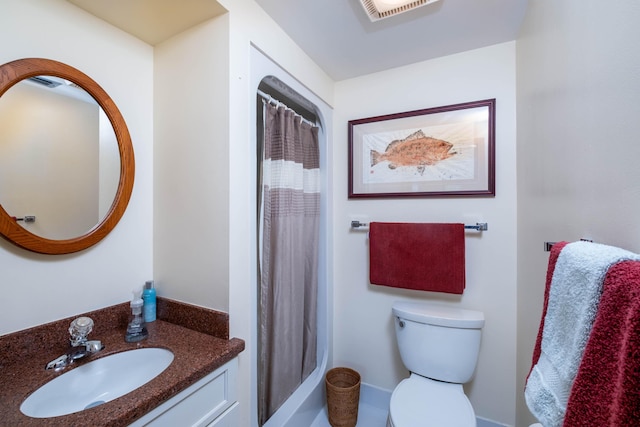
column 574, row 295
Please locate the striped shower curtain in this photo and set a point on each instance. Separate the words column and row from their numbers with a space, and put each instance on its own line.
column 290, row 212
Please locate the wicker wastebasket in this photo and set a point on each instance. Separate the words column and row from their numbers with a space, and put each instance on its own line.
column 343, row 396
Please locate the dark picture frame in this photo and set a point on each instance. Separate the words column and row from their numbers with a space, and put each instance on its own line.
column 433, row 152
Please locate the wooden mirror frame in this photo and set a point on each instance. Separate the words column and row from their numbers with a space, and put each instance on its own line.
column 13, row 72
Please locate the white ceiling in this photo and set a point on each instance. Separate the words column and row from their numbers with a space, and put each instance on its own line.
column 337, row 34
column 340, row 38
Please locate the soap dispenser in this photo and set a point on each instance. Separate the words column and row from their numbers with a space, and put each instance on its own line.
column 137, row 329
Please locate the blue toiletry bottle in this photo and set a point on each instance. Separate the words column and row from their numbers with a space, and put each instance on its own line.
column 149, row 298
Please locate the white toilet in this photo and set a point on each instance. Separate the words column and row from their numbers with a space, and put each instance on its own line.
column 439, row 345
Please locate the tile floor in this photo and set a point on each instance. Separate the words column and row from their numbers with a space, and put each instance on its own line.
column 368, row 416
column 372, row 410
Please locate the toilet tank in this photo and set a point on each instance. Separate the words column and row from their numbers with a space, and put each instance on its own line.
column 438, row 342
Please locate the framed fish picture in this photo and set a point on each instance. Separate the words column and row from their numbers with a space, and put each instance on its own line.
column 434, row 152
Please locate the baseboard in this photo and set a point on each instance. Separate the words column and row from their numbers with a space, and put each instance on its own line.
column 375, row 396
column 482, row 422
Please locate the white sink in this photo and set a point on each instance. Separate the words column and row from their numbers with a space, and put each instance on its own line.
column 97, row 382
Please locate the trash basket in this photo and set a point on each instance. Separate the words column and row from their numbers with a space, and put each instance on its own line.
column 343, row 396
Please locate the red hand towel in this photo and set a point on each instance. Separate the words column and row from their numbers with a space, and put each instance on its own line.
column 427, row 257
column 606, row 391
column 553, row 258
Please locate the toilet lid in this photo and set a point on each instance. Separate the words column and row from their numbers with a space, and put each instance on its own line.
column 419, row 401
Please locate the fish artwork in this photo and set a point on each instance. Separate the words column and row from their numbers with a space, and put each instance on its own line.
column 415, row 150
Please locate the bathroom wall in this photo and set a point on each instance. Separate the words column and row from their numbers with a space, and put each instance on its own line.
column 42, row 288
column 363, row 324
column 191, row 165
column 578, row 151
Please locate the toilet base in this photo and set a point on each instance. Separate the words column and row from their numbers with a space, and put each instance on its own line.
column 425, row 402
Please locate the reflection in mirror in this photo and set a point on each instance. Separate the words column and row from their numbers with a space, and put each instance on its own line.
column 75, row 200
column 59, row 157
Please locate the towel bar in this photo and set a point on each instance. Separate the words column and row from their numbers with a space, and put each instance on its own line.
column 548, row 245
column 480, row 226
column 358, row 224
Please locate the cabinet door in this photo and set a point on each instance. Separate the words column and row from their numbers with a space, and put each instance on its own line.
column 199, row 404
column 230, row 418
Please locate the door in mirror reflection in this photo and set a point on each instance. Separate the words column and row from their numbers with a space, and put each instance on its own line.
column 59, row 158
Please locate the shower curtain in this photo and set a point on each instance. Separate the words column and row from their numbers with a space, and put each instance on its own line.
column 289, row 235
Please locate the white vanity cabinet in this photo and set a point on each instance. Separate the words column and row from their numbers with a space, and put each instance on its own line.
column 209, row 402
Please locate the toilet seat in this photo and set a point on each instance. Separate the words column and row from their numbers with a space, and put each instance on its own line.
column 420, row 401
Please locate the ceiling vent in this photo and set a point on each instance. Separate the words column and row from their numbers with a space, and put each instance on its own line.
column 46, row 81
column 380, row 9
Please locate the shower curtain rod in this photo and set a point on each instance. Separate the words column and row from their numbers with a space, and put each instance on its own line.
column 268, row 98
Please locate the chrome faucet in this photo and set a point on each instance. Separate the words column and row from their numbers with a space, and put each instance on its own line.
column 80, row 346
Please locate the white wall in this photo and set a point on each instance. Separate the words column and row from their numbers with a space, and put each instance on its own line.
column 42, row 288
column 191, row 165
column 578, row 151
column 363, row 324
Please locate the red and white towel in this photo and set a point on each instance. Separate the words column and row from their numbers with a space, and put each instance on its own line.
column 606, row 391
column 572, row 305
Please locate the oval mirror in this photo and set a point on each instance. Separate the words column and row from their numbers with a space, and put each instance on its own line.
column 66, row 161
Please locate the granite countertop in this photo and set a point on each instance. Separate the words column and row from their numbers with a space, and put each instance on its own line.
column 196, row 353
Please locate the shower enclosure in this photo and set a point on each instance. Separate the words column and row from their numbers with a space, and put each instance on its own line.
column 297, row 404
